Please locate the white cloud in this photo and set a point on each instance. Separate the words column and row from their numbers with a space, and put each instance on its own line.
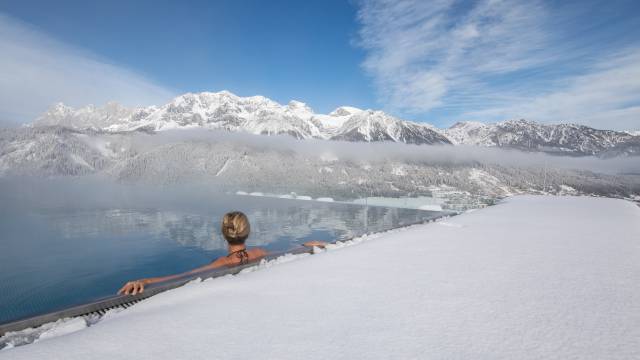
column 607, row 96
column 420, row 52
column 37, row 71
column 495, row 59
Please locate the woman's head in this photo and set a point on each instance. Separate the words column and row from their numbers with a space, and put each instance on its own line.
column 235, row 227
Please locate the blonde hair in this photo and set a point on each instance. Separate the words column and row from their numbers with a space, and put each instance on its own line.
column 235, row 227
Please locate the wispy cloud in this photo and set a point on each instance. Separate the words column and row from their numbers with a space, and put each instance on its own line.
column 37, row 71
column 607, row 96
column 495, row 59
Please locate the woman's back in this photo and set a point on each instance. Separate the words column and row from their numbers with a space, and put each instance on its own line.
column 240, row 257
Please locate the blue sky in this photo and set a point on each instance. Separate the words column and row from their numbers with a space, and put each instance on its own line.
column 437, row 61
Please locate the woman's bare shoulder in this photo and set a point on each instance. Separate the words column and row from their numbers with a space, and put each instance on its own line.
column 258, row 252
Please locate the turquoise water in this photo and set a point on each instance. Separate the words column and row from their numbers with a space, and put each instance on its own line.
column 61, row 253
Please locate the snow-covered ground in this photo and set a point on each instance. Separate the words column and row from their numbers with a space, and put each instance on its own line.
column 530, row 278
column 420, row 202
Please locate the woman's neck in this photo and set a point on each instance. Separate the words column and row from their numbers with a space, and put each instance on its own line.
column 234, row 248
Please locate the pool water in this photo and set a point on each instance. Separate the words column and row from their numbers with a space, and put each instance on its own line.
column 55, row 257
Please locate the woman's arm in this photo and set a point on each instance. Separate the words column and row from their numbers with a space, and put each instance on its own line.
column 137, row 286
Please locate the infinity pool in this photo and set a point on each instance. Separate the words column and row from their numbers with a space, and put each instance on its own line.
column 57, row 256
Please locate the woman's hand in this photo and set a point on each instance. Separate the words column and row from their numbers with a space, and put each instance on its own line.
column 316, row 243
column 133, row 287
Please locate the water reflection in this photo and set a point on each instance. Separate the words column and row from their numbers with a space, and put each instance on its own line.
column 297, row 222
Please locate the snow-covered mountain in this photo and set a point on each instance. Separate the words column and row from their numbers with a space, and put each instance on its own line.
column 89, row 116
column 530, row 136
column 255, row 114
column 260, row 115
column 108, row 141
column 222, row 110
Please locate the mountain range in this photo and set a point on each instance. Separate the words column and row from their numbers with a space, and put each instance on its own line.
column 304, row 155
column 260, row 115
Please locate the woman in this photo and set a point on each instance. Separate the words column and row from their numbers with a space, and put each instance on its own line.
column 235, row 229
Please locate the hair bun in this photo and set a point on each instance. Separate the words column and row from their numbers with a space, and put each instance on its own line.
column 235, row 227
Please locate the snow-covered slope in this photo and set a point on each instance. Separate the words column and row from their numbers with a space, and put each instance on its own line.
column 336, row 118
column 531, row 136
column 491, row 284
column 53, row 151
column 377, row 126
column 469, row 133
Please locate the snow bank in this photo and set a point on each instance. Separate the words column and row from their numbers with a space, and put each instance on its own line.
column 420, row 202
column 430, row 207
column 49, row 330
column 530, row 278
column 292, row 196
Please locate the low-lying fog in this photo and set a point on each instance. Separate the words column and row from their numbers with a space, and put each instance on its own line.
column 388, row 151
